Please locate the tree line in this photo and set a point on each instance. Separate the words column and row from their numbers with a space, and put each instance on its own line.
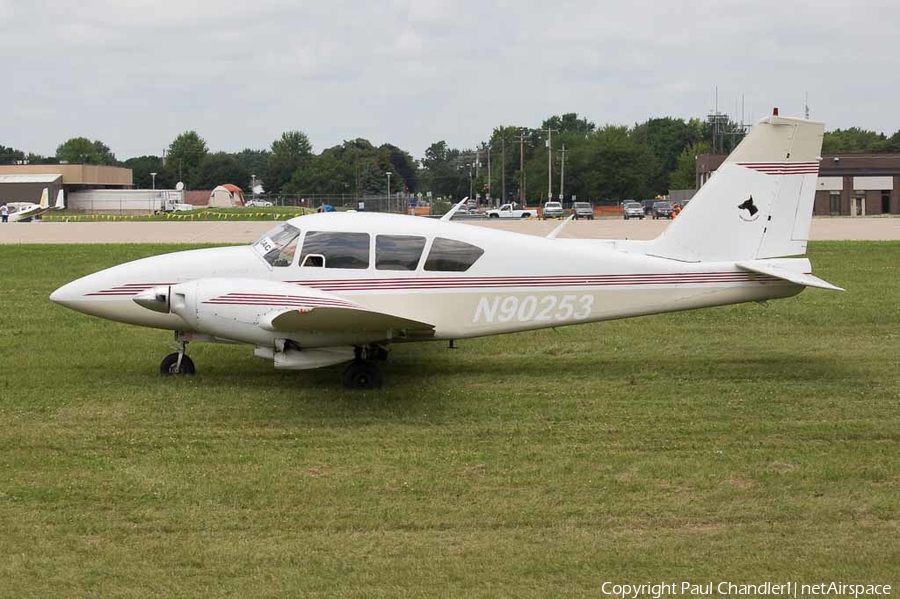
column 612, row 162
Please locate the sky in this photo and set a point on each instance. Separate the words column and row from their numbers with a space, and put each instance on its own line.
column 136, row 73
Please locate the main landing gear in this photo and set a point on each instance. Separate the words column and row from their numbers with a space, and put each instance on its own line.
column 177, row 363
column 363, row 372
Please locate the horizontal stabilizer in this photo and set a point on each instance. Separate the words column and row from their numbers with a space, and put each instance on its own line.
column 334, row 319
column 807, row 279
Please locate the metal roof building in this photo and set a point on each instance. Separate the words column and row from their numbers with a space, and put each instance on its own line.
column 25, row 182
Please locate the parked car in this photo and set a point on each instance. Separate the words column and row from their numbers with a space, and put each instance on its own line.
column 648, row 207
column 662, row 209
column 512, row 210
column 258, row 203
column 553, row 210
column 583, row 210
column 632, row 210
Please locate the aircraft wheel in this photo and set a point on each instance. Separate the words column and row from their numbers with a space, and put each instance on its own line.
column 169, row 365
column 362, row 374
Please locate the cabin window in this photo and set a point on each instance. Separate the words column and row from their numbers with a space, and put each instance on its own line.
column 398, row 252
column 277, row 246
column 451, row 255
column 337, row 250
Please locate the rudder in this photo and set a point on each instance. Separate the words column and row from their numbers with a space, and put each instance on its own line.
column 759, row 202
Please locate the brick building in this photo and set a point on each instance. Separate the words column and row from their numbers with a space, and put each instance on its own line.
column 849, row 184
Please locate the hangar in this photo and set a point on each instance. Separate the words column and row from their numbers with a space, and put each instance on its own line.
column 849, row 184
column 25, row 182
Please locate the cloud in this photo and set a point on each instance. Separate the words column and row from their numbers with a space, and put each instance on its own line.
column 412, row 72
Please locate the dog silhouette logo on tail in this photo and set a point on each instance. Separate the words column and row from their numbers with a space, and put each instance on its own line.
column 751, row 209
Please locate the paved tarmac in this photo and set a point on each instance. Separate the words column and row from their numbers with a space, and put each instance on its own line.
column 828, row 228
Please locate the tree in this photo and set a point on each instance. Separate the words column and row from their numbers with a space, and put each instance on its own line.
column 666, row 138
column 218, row 169
column 10, row 155
column 81, row 150
column 617, row 167
column 255, row 162
column 185, row 154
column 291, row 152
column 444, row 171
column 403, row 165
column 684, row 176
column 142, row 166
column 570, row 123
column 854, row 139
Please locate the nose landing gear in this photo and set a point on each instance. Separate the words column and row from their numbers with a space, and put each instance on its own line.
column 177, row 363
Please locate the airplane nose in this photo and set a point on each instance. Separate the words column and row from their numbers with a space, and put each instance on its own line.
column 66, row 294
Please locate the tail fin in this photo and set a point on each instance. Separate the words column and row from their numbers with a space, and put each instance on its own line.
column 45, row 199
column 758, row 204
column 60, row 201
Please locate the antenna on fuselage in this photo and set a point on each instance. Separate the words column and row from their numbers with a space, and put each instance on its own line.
column 453, row 210
column 552, row 234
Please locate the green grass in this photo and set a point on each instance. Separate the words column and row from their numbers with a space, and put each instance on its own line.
column 739, row 444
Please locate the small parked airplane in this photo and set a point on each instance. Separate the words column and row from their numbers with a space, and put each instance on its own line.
column 323, row 289
column 25, row 211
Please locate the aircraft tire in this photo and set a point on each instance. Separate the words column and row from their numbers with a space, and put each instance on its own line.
column 168, row 367
column 362, row 374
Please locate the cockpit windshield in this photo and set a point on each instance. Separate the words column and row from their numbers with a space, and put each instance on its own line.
column 277, row 246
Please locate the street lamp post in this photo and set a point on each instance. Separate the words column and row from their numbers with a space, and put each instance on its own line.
column 153, row 175
column 388, row 173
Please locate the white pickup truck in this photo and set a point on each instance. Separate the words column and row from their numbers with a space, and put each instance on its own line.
column 511, row 211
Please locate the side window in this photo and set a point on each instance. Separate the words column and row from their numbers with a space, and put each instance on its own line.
column 398, row 252
column 277, row 247
column 451, row 255
column 336, row 250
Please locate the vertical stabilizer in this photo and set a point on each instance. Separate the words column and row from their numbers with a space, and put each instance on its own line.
column 45, row 199
column 758, row 204
column 60, row 201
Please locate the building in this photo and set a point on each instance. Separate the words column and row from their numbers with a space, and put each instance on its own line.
column 849, row 184
column 25, row 182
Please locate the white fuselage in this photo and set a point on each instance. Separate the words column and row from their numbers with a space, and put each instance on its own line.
column 19, row 211
column 520, row 282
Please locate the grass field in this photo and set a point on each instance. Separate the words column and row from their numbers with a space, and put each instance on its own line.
column 739, row 444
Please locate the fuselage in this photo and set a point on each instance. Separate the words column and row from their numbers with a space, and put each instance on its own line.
column 517, row 282
column 25, row 211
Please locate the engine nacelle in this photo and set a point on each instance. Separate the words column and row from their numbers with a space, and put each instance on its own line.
column 239, row 310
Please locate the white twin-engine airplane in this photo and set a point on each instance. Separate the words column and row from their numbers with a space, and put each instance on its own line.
column 327, row 288
column 25, row 211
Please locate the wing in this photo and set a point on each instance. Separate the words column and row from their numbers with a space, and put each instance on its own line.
column 333, row 319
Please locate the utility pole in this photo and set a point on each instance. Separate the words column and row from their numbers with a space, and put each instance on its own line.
column 522, row 169
column 550, row 162
column 562, row 174
column 502, row 167
column 489, row 173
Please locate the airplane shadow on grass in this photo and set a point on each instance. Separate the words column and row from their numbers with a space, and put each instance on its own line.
column 405, row 372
